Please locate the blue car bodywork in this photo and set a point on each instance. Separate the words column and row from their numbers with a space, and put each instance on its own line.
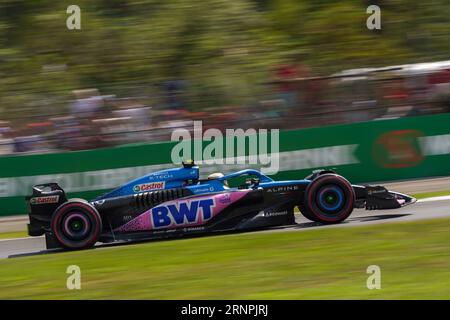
column 179, row 177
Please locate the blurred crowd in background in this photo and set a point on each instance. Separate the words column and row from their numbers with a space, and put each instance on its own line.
column 137, row 70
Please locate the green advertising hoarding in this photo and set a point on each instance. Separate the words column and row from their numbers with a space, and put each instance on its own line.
column 381, row 150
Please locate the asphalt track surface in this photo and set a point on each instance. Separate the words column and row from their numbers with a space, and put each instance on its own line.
column 430, row 208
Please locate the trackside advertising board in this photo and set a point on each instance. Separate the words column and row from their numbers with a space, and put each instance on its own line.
column 373, row 151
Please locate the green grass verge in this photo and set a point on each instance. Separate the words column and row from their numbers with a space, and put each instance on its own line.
column 12, row 235
column 330, row 263
column 431, row 194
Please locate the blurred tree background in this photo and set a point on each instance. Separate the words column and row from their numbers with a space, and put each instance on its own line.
column 223, row 50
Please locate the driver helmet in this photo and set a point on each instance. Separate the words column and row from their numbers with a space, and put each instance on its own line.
column 217, row 175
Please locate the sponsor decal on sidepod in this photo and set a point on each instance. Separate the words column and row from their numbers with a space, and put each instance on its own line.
column 149, row 186
column 182, row 213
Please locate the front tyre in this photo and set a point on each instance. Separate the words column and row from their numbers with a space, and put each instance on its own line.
column 328, row 199
column 76, row 224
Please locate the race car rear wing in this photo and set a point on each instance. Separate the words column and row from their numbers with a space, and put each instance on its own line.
column 41, row 205
column 379, row 198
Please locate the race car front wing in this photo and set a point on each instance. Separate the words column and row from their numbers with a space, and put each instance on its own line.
column 379, row 198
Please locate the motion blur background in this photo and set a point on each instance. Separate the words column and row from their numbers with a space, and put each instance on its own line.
column 137, row 69
column 83, row 108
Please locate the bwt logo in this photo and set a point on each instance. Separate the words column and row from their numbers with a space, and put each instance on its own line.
column 182, row 213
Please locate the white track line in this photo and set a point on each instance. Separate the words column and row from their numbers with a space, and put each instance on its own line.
column 24, row 238
column 434, row 199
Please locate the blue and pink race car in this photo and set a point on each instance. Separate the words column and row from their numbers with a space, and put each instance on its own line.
column 177, row 202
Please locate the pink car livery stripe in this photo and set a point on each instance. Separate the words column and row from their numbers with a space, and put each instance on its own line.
column 193, row 211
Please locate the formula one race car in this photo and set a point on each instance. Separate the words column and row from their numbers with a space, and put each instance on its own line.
column 176, row 202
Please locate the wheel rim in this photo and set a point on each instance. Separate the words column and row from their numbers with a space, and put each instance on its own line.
column 330, row 198
column 76, row 225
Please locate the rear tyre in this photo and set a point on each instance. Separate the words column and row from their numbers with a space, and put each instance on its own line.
column 76, row 224
column 328, row 199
